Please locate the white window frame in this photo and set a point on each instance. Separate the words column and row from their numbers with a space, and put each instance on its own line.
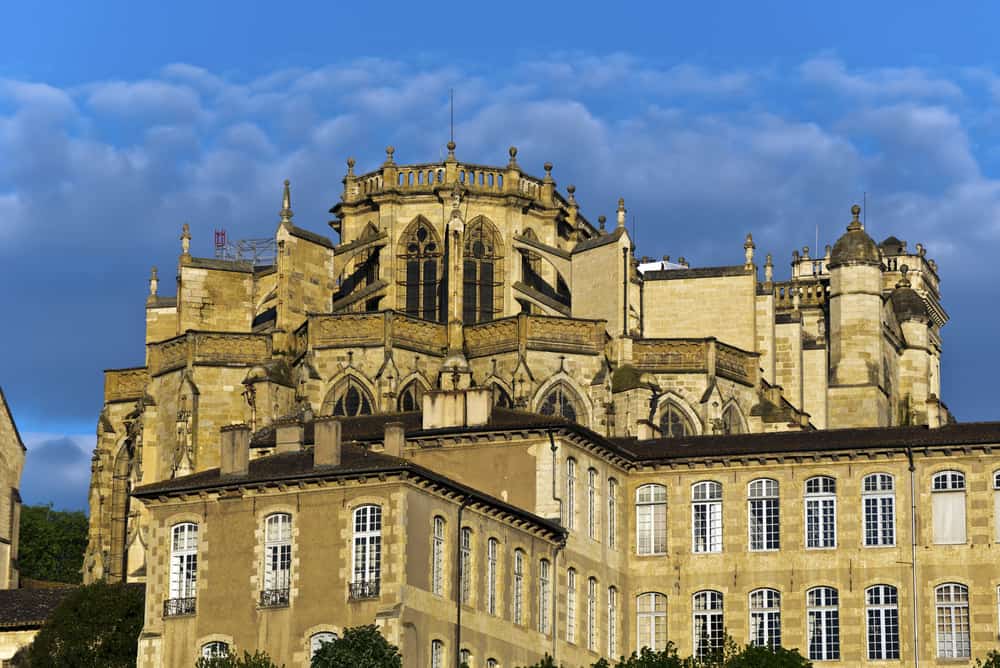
column 278, row 551
column 950, row 482
column 651, row 613
column 706, row 517
column 367, row 554
column 651, row 519
column 570, row 493
column 317, row 639
column 465, row 657
column 951, row 608
column 763, row 515
column 184, row 560
column 823, row 623
column 708, row 613
column 437, row 654
column 518, row 599
column 544, row 594
column 821, row 502
column 613, row 621
column 765, row 618
column 882, row 623
column 612, row 513
column 437, row 557
column 592, row 614
column 492, row 557
column 996, row 506
column 592, row 504
column 571, row 605
column 215, row 649
column 465, row 538
column 878, row 499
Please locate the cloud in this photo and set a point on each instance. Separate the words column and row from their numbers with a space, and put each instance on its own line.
column 886, row 82
column 57, row 470
column 145, row 99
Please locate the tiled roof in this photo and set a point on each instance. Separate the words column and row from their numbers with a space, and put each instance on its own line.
column 29, row 608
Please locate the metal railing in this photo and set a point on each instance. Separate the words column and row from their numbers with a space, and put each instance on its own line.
column 177, row 607
column 357, row 591
column 274, row 598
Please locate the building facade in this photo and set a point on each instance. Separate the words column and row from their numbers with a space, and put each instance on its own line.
column 12, row 453
column 475, row 303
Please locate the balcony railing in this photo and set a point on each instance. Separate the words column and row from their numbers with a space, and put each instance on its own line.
column 274, row 598
column 358, row 591
column 177, row 607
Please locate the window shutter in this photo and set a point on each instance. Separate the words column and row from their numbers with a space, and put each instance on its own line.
column 949, row 517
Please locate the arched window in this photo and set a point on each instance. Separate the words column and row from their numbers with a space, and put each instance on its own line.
column 570, row 507
column 316, row 641
column 592, row 504
column 706, row 516
column 709, row 628
column 348, row 399
column 879, row 501
column 651, row 621
column 561, row 402
column 277, row 560
column 482, row 273
column 437, row 654
column 821, row 512
column 571, row 605
column 465, row 658
column 674, row 422
column 651, row 519
column 612, row 621
column 420, row 275
column 765, row 618
column 952, row 608
column 500, row 397
column 823, row 614
column 544, row 595
column 765, row 532
column 592, row 614
column 612, row 513
column 466, row 565
column 437, row 557
column 367, row 552
column 216, row 649
column 948, row 506
column 882, row 618
column 492, row 663
column 410, row 398
column 183, row 570
column 732, row 421
column 518, row 598
column 492, row 554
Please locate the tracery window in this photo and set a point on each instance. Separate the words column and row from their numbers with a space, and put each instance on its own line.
column 419, row 257
column 879, row 503
column 823, row 615
column 709, row 628
column 411, row 397
column 482, row 272
column 765, row 532
column 349, row 399
column 882, row 617
column 651, row 621
column 560, row 402
column 765, row 618
column 732, row 421
column 674, row 422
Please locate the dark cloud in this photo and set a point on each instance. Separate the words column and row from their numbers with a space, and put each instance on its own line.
column 57, row 470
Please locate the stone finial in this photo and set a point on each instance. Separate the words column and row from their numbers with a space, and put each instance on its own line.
column 389, row 150
column 768, row 269
column 456, row 197
column 451, row 150
column 748, row 248
column 682, row 261
column 856, row 221
column 185, row 239
column 921, row 251
column 571, row 189
column 286, row 212
column 826, row 251
column 548, row 172
column 621, row 212
column 933, row 265
column 154, row 282
column 512, row 152
column 805, row 252
column 350, row 166
column 904, row 281
column 601, row 220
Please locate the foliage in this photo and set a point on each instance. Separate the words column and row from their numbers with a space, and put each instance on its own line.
column 258, row 659
column 52, row 543
column 96, row 625
column 992, row 660
column 763, row 657
column 730, row 656
column 359, row 647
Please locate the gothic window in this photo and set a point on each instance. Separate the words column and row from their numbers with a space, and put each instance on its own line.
column 349, row 399
column 482, row 273
column 411, row 397
column 559, row 402
column 500, row 396
column 674, row 423
column 420, row 275
column 732, row 421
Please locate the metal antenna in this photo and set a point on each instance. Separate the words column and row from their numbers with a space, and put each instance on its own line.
column 864, row 209
column 452, row 96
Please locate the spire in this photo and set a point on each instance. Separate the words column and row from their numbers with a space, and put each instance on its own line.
column 286, row 203
column 621, row 212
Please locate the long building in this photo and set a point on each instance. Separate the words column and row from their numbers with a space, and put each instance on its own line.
column 480, row 421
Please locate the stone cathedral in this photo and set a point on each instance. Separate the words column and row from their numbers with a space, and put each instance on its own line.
column 478, row 400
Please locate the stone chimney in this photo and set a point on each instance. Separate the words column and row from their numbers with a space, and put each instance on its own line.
column 288, row 436
column 395, row 439
column 234, row 459
column 327, row 444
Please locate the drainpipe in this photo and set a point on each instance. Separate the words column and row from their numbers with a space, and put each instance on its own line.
column 555, row 472
column 458, row 587
column 555, row 595
column 913, row 559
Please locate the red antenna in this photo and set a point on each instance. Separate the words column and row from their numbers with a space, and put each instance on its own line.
column 220, row 242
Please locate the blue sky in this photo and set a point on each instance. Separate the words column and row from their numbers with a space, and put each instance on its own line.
column 119, row 121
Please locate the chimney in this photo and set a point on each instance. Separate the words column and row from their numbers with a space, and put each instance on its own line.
column 394, row 439
column 234, row 458
column 326, row 442
column 288, row 436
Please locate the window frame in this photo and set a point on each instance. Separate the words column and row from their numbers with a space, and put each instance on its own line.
column 592, row 504
column 592, row 614
column 437, row 555
column 959, row 643
column 183, row 576
column 492, row 561
column 544, row 595
column 517, row 600
column 657, row 511
column 465, row 561
column 949, row 480
column 655, row 616
column 873, row 499
column 571, row 605
column 613, row 620
column 713, row 618
column 711, row 525
column 612, row 513
column 886, row 635
column 828, row 615
column 570, row 520
column 277, row 566
column 765, row 617
column 370, row 568
column 819, row 498
column 214, row 649
column 316, row 642
column 764, row 498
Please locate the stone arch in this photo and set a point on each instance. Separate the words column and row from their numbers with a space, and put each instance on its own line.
column 482, row 271
column 672, row 401
column 420, row 271
column 551, row 397
column 411, row 393
column 351, row 393
column 733, row 420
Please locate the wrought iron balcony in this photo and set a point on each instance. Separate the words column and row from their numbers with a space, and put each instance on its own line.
column 177, row 607
column 358, row 591
column 274, row 598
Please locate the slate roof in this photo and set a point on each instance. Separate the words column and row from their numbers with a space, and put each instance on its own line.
column 699, row 272
column 297, row 231
column 599, row 240
column 29, row 608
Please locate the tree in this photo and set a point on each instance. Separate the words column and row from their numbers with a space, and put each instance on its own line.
column 359, row 647
column 764, row 657
column 52, row 543
column 95, row 626
column 992, row 660
column 258, row 659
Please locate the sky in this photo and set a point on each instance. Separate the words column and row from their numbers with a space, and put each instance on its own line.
column 120, row 121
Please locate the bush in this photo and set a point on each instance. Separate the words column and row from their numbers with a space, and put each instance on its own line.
column 730, row 656
column 258, row 659
column 360, row 647
column 52, row 544
column 992, row 660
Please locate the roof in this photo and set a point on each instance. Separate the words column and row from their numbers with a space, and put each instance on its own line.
column 29, row 608
column 599, row 240
column 297, row 231
column 854, row 246
column 700, row 272
column 907, row 304
column 222, row 265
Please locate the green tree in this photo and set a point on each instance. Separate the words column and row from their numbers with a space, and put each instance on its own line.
column 52, row 543
column 359, row 647
column 992, row 660
column 258, row 659
column 96, row 626
column 764, row 657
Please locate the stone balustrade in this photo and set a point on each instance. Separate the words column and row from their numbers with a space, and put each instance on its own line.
column 707, row 356
column 811, row 294
column 209, row 348
column 125, row 384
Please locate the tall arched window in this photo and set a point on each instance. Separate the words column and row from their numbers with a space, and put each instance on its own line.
column 216, row 649
column 437, row 654
column 651, row 519
column 561, row 402
column 419, row 278
column 466, row 565
column 708, row 624
column 348, row 399
column 732, row 421
column 367, row 552
column 183, row 570
column 821, row 512
column 411, row 397
column 952, row 614
column 482, row 273
column 571, row 605
column 612, row 513
column 765, row 618
column 592, row 614
column 592, row 504
column 492, row 554
column 765, row 532
column 500, row 397
column 879, row 502
column 823, row 615
column 651, row 621
column 612, row 621
column 570, row 507
column 882, row 618
column 544, row 595
column 437, row 557
column 674, row 422
column 518, row 598
column 277, row 560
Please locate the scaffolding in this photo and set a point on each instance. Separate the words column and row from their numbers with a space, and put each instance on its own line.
column 259, row 252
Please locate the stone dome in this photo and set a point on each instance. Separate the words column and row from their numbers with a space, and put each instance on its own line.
column 907, row 303
column 855, row 246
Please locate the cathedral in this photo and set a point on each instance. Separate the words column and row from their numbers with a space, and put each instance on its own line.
column 478, row 420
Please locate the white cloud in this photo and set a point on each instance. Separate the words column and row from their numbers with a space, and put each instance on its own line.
column 886, row 82
column 145, row 99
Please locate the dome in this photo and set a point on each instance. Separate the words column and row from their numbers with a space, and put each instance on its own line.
column 855, row 246
column 907, row 303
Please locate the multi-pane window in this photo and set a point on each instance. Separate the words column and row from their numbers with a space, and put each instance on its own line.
column 482, row 269
column 882, row 613
column 518, row 598
column 570, row 507
column 592, row 504
column 215, row 650
column 613, row 621
column 879, row 501
column 764, row 516
column 996, row 506
column 465, row 658
column 367, row 550
column 613, row 513
column 544, row 595
column 952, row 619
column 316, row 641
column 592, row 614
column 492, row 548
column 350, row 399
column 571, row 605
column 651, row 621
column 673, row 422
column 823, row 614
column 821, row 512
column 559, row 402
column 948, row 505
column 420, row 255
column 651, row 519
column 184, row 561
column 437, row 557
column 706, row 517
column 466, row 565
column 492, row 663
column 437, row 654
column 708, row 625
column 765, row 618
column 277, row 559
